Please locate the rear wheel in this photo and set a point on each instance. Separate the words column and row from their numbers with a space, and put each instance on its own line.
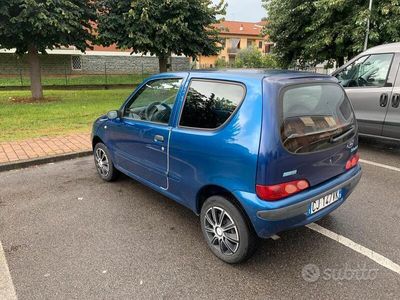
column 226, row 230
column 104, row 165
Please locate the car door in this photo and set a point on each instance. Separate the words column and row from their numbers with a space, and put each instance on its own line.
column 368, row 82
column 139, row 139
column 391, row 127
column 203, row 150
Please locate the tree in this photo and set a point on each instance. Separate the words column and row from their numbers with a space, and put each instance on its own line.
column 221, row 63
column 314, row 31
column 161, row 27
column 336, row 31
column 270, row 61
column 32, row 26
column 286, row 25
column 251, row 57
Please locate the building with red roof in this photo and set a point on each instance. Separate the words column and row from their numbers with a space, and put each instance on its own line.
column 237, row 35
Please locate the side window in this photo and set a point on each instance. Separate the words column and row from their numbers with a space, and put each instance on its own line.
column 155, row 101
column 366, row 71
column 209, row 104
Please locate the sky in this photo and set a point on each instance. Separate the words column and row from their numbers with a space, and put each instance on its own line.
column 244, row 10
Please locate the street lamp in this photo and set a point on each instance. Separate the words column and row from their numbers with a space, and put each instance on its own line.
column 368, row 24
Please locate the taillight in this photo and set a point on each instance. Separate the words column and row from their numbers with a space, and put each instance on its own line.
column 353, row 161
column 282, row 190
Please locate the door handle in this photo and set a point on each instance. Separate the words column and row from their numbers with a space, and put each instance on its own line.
column 383, row 100
column 158, row 138
column 396, row 100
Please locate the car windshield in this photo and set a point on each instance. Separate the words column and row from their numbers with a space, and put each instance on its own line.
column 315, row 117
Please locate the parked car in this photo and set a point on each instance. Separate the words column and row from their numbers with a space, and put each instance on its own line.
column 252, row 152
column 372, row 82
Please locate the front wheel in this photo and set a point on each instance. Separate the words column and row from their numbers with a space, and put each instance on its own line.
column 104, row 165
column 226, row 230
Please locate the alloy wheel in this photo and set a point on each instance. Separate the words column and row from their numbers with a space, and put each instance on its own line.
column 221, row 230
column 102, row 163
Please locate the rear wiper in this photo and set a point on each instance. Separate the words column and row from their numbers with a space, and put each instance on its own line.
column 342, row 135
column 297, row 135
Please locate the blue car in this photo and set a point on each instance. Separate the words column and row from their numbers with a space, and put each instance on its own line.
column 252, row 152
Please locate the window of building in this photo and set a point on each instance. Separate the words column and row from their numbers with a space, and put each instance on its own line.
column 260, row 44
column 251, row 43
column 267, row 48
column 209, row 104
column 76, row 63
column 235, row 43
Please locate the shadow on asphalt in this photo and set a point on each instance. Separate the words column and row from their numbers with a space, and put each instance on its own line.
column 389, row 147
column 294, row 249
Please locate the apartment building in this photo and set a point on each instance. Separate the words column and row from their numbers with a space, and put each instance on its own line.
column 237, row 35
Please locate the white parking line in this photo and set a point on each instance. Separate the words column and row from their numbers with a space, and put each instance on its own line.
column 376, row 257
column 379, row 165
column 7, row 289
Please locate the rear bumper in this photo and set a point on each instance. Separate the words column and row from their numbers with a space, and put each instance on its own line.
column 269, row 218
column 302, row 207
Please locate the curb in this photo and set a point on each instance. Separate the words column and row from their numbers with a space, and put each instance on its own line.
column 42, row 160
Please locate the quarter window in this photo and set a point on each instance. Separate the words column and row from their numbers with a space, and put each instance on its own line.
column 154, row 101
column 366, row 71
column 209, row 104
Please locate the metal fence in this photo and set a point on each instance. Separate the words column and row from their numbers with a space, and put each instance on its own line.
column 63, row 75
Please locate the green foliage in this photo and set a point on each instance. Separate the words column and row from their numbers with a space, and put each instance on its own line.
column 249, row 58
column 270, row 61
column 314, row 31
column 45, row 24
column 161, row 26
column 221, row 63
column 252, row 58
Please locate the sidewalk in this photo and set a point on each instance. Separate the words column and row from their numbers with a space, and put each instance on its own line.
column 38, row 148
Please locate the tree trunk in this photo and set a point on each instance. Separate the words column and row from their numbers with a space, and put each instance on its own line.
column 339, row 62
column 35, row 73
column 163, row 61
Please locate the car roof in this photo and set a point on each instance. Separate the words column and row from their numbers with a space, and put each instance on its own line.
column 257, row 74
column 393, row 47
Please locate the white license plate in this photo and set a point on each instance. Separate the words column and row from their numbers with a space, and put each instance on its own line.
column 325, row 201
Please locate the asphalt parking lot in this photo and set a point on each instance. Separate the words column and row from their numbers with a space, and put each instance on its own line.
column 68, row 235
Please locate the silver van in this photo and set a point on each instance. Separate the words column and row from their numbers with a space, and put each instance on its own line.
column 372, row 83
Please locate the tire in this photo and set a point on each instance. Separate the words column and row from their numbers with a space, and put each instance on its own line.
column 232, row 240
column 104, row 164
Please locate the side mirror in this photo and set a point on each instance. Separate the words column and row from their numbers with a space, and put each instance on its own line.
column 113, row 114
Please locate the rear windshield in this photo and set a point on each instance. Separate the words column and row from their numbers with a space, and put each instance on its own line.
column 315, row 117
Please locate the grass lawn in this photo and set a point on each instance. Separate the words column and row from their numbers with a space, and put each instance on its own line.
column 101, row 79
column 62, row 112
